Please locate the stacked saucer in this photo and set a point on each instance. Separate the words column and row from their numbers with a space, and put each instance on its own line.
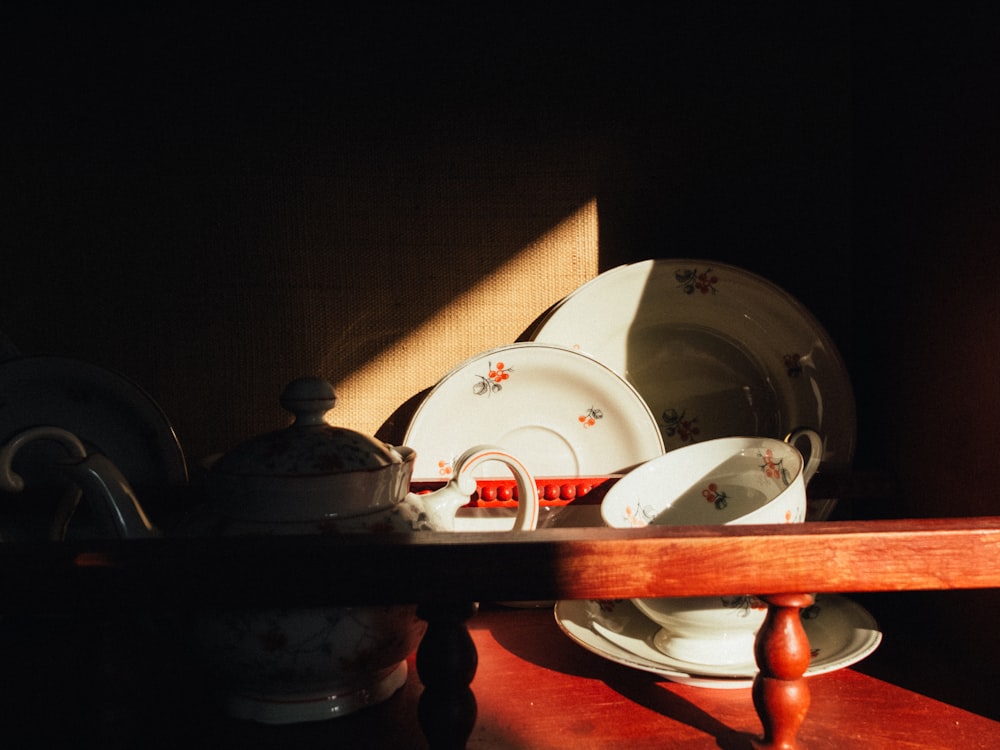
column 840, row 632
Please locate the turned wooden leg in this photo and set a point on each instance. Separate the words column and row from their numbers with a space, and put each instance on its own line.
column 446, row 664
column 780, row 691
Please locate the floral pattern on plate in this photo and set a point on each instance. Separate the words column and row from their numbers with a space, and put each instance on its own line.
column 714, row 350
column 561, row 412
column 493, row 382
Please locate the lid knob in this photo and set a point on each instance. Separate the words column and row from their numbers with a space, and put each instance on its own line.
column 308, row 398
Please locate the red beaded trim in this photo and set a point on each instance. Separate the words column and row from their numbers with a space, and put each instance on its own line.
column 502, row 493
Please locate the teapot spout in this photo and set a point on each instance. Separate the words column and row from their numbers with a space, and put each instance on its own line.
column 437, row 510
column 114, row 504
column 116, row 509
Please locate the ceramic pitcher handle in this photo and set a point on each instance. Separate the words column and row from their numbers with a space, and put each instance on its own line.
column 815, row 457
column 11, row 480
column 527, row 490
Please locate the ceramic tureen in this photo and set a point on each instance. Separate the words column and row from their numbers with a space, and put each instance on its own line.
column 301, row 664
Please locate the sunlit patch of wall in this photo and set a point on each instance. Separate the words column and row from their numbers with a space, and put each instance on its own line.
column 494, row 311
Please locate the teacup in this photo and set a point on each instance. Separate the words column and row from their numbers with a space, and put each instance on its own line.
column 734, row 480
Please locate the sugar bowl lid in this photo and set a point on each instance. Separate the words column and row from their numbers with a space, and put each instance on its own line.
column 309, row 447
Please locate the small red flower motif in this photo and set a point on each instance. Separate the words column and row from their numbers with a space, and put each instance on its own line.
column 714, row 495
column 636, row 517
column 691, row 280
column 492, row 383
column 705, row 282
column 676, row 424
column 772, row 470
column 590, row 418
column 498, row 375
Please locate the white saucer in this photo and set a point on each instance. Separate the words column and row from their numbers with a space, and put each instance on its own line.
column 562, row 413
column 840, row 631
column 714, row 350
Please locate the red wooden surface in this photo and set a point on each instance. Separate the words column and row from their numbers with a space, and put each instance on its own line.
column 557, row 563
column 537, row 690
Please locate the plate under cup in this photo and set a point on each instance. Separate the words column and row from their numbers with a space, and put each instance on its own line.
column 840, row 631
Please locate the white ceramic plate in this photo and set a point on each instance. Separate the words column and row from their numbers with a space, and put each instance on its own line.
column 714, row 350
column 562, row 413
column 840, row 631
column 108, row 412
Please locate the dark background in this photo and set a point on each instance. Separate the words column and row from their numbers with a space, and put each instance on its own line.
column 171, row 176
column 848, row 152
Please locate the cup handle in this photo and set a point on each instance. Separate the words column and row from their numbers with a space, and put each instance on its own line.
column 527, row 490
column 815, row 456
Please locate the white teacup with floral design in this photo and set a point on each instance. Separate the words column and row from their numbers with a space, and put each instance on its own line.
column 735, row 480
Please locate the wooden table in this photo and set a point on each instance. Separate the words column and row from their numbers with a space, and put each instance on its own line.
column 535, row 688
column 78, row 661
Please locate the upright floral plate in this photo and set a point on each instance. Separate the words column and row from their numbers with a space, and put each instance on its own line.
column 564, row 414
column 714, row 350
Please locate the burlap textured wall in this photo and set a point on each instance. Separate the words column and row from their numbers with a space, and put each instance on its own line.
column 214, row 206
column 213, row 290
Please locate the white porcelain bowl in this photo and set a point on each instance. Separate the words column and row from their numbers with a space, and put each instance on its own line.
column 737, row 480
